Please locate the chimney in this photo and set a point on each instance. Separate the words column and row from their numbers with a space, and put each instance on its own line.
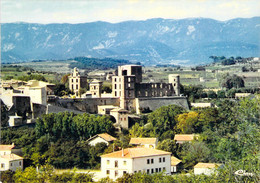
column 122, row 152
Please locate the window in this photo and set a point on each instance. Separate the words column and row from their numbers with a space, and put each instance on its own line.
column 164, row 168
column 156, row 169
column 152, row 170
column 119, row 86
column 72, row 87
column 160, row 169
column 108, row 162
column 124, row 162
column 115, row 86
column 2, row 165
column 151, row 161
column 116, row 164
column 77, row 87
column 148, row 161
column 72, row 80
column 160, row 160
column 148, row 171
column 116, row 173
column 115, row 79
column 76, row 80
column 108, row 172
column 115, row 93
column 11, row 164
column 20, row 163
column 163, row 159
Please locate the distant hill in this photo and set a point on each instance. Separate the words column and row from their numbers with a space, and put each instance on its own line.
column 154, row 41
column 96, row 63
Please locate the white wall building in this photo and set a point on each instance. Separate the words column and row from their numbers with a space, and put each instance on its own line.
column 132, row 160
column 9, row 160
column 99, row 138
column 205, row 168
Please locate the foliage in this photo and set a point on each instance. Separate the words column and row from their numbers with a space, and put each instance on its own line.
column 194, row 152
column 233, row 81
column 187, row 122
column 32, row 77
column 96, row 63
column 47, row 174
column 71, row 126
column 164, row 119
column 7, row 176
column 61, row 89
column 168, row 145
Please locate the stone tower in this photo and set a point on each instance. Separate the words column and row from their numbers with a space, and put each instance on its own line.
column 76, row 81
column 96, row 88
column 123, row 85
column 174, row 79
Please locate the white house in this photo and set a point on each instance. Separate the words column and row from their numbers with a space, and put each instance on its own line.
column 104, row 137
column 181, row 138
column 9, row 160
column 132, row 160
column 144, row 142
column 175, row 164
column 205, row 168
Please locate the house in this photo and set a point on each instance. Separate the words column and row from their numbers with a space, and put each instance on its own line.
column 181, row 138
column 9, row 160
column 205, row 168
column 175, row 164
column 9, row 149
column 204, row 104
column 99, row 138
column 132, row 160
column 242, row 95
column 144, row 142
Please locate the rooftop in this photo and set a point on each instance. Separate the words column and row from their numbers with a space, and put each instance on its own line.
column 206, row 165
column 184, row 137
column 104, row 136
column 11, row 157
column 6, row 147
column 143, row 141
column 131, row 153
column 174, row 161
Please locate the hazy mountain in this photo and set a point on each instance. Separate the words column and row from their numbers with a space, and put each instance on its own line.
column 151, row 41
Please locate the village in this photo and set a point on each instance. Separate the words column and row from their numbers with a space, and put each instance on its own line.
column 27, row 101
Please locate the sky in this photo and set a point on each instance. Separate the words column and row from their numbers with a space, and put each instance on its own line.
column 81, row 11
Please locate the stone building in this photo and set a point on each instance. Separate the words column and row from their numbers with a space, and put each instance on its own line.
column 77, row 81
column 95, row 88
column 128, row 86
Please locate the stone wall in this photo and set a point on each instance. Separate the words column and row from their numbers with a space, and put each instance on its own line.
column 154, row 89
column 156, row 102
column 89, row 105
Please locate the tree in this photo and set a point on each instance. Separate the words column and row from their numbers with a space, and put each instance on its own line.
column 65, row 79
column 233, row 81
column 186, row 122
column 163, row 119
column 168, row 145
column 194, row 152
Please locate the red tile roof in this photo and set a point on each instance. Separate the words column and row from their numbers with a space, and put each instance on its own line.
column 6, row 147
column 11, row 157
column 174, row 161
column 135, row 153
column 207, row 165
column 143, row 141
column 184, row 137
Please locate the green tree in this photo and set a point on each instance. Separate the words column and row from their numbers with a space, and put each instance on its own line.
column 164, row 119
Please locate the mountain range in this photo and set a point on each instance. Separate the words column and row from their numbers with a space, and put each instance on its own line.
column 153, row 41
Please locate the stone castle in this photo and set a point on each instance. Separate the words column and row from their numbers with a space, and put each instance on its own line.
column 129, row 94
